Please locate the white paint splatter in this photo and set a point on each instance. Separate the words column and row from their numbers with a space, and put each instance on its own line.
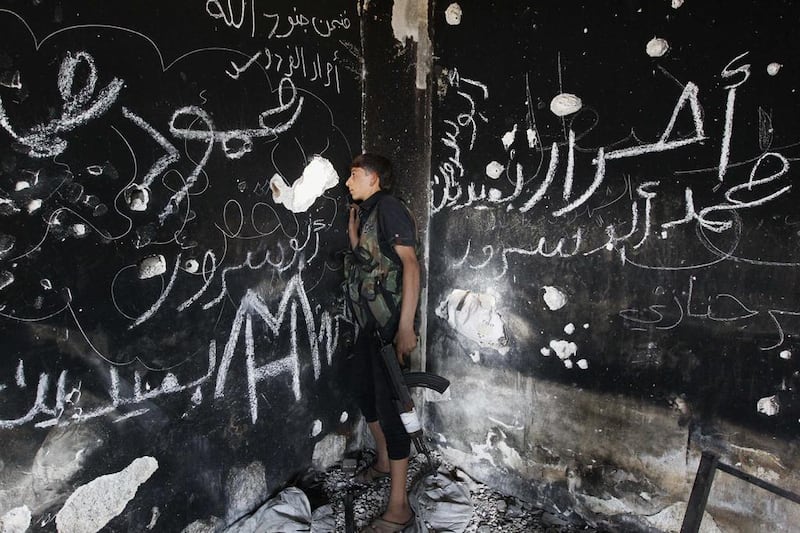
column 46, row 284
column 155, row 514
column 170, row 383
column 532, row 138
column 191, row 266
column 565, row 104
column 569, row 329
column 12, row 81
column 495, row 194
column 138, row 198
column 657, row 47
column 583, row 364
column 78, row 230
column 343, row 417
column 17, row 520
column 564, row 349
column 547, row 352
column 33, row 205
column 769, row 405
column 161, row 299
column 786, row 354
column 494, row 170
column 568, row 363
column 474, row 316
column 6, row 279
column 508, row 137
column 22, row 185
column 554, row 298
column 151, row 266
column 95, row 504
column 95, row 170
column 406, row 20
column 496, row 446
column 453, row 14
column 197, row 396
column 317, row 177
column 7, row 206
column 6, row 243
column 316, row 428
column 668, row 519
column 773, row 68
column 586, row 326
column 20, row 375
column 676, row 4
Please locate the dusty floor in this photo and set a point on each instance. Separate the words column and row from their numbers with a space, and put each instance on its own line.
column 450, row 501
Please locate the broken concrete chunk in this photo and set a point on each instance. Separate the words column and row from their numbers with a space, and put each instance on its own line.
column 95, row 504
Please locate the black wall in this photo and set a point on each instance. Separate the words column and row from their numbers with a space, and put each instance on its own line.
column 230, row 355
column 665, row 305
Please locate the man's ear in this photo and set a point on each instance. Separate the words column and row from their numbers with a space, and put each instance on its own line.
column 374, row 179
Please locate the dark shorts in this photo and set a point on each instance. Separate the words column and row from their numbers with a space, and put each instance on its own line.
column 374, row 394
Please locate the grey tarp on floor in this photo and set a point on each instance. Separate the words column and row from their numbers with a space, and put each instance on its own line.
column 288, row 512
column 441, row 505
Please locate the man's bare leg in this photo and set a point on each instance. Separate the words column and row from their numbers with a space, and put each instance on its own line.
column 398, row 510
column 382, row 457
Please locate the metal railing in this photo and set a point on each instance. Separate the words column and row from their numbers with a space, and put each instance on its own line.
column 709, row 464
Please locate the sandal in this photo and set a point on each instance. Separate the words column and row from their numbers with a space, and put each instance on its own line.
column 379, row 525
column 370, row 475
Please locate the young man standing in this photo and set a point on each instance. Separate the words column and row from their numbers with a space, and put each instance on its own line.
column 383, row 285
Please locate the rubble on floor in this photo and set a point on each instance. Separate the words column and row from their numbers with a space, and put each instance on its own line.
column 448, row 502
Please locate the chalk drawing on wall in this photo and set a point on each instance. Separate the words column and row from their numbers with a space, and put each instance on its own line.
column 164, row 159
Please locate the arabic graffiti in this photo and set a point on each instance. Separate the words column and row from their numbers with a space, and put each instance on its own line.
column 661, row 209
column 280, row 26
column 767, row 181
column 139, row 225
column 64, row 406
column 719, row 307
column 293, row 61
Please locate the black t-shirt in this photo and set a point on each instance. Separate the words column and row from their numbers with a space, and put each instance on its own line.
column 395, row 225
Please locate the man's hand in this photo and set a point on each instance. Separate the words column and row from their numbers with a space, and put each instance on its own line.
column 352, row 226
column 404, row 343
column 406, row 339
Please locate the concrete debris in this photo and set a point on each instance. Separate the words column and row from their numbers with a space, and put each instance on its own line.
column 96, row 503
column 448, row 502
column 209, row 525
column 17, row 520
column 246, row 489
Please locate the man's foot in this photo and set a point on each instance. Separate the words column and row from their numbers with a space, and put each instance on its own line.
column 370, row 475
column 402, row 516
column 382, row 525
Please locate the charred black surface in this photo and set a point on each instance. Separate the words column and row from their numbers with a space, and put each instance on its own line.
column 155, row 298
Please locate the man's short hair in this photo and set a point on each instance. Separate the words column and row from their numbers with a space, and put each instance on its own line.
column 375, row 163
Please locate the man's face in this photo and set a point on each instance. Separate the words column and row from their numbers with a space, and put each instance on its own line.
column 361, row 183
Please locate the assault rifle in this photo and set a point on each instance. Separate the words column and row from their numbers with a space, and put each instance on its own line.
column 400, row 382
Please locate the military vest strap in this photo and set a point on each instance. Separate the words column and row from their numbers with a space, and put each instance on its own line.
column 374, row 281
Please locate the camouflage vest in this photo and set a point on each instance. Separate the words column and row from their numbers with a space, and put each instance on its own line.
column 374, row 282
